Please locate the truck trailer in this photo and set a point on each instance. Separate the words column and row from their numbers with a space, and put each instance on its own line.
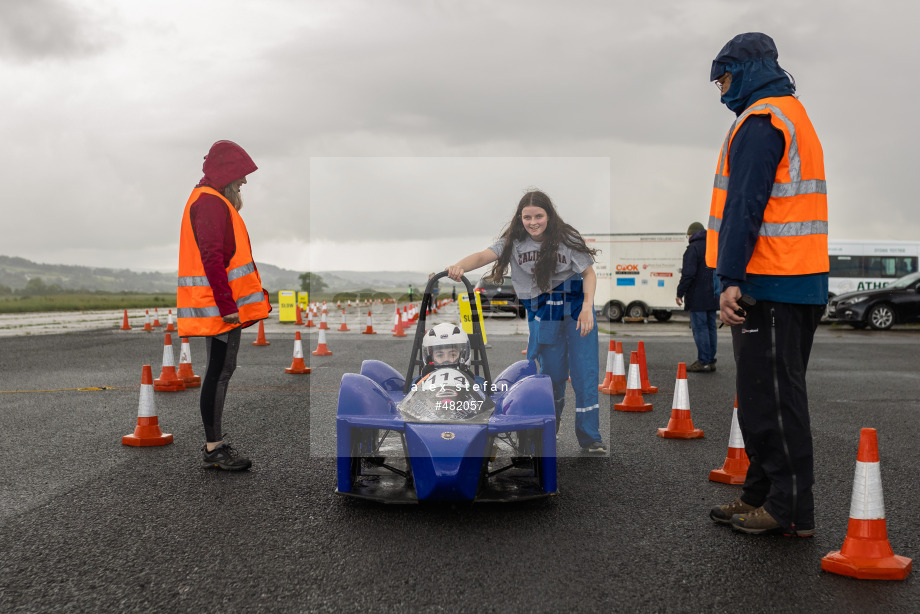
column 637, row 274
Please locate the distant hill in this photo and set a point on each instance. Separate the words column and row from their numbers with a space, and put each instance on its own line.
column 16, row 272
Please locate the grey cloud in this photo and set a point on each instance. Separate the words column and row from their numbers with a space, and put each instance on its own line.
column 46, row 29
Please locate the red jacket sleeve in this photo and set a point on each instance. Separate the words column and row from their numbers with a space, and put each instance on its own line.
column 213, row 230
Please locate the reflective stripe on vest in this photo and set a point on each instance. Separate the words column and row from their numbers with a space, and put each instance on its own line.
column 792, row 239
column 198, row 313
column 211, row 312
column 236, row 273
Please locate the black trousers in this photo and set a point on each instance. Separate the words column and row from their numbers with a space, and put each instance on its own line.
column 771, row 350
column 221, row 365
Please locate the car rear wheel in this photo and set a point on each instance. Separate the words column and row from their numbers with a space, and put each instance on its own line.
column 881, row 317
column 662, row 315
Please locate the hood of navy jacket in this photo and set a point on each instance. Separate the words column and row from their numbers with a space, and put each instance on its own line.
column 699, row 235
column 225, row 163
column 751, row 59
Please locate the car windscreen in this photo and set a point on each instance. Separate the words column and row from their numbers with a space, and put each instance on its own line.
column 446, row 395
column 905, row 281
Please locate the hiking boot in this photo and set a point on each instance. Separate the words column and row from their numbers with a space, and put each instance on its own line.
column 595, row 447
column 226, row 458
column 723, row 513
column 698, row 367
column 760, row 522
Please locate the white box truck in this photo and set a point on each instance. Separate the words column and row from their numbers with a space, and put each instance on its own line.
column 637, row 274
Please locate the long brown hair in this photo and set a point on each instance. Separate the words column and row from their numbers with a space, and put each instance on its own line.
column 557, row 231
column 231, row 192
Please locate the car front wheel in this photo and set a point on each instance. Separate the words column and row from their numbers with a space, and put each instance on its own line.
column 881, row 317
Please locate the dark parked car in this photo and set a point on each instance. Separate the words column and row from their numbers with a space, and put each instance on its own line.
column 499, row 299
column 896, row 303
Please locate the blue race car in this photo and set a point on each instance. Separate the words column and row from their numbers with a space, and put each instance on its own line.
column 446, row 433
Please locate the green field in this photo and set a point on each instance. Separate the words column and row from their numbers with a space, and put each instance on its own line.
column 88, row 301
column 84, row 302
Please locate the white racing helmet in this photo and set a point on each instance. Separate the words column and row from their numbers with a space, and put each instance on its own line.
column 446, row 337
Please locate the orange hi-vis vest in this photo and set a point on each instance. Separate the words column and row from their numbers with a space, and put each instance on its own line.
column 793, row 236
column 198, row 314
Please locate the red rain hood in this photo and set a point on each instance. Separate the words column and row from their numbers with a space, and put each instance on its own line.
column 225, row 163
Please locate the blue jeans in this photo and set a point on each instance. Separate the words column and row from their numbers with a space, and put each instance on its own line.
column 570, row 354
column 703, row 325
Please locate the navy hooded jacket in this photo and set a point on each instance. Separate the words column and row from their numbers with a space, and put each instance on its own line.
column 696, row 278
column 753, row 158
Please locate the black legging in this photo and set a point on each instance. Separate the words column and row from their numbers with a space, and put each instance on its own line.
column 221, row 364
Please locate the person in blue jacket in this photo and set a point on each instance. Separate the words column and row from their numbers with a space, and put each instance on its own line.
column 702, row 300
column 553, row 274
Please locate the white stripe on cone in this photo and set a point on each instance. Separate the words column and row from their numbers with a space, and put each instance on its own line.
column 298, row 346
column 736, row 439
column 168, row 356
column 633, row 382
column 185, row 353
column 611, row 360
column 618, row 366
column 681, row 399
column 146, row 406
column 867, row 502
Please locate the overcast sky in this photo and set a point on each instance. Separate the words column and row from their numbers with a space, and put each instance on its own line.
column 400, row 135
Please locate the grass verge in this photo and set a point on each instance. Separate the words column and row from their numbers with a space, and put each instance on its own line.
column 84, row 302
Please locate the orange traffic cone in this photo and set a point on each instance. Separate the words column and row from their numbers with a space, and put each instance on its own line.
column 156, row 318
column 680, row 426
column 734, row 469
column 633, row 400
column 404, row 318
column 370, row 325
column 168, row 381
column 310, row 323
column 866, row 553
column 321, row 349
column 608, row 377
column 299, row 317
column 297, row 365
column 147, row 432
column 400, row 331
column 647, row 388
column 147, row 327
column 343, row 327
column 185, row 372
column 323, row 325
column 618, row 377
column 260, row 339
column 124, row 324
column 169, row 323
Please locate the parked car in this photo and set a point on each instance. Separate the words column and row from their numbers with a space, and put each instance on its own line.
column 499, row 299
column 896, row 303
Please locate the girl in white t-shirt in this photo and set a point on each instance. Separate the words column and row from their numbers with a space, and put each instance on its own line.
column 553, row 275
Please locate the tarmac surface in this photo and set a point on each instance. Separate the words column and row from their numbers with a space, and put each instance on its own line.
column 89, row 525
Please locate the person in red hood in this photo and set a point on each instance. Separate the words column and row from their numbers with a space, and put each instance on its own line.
column 219, row 290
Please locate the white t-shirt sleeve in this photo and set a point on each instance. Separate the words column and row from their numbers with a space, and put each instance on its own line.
column 581, row 261
column 498, row 247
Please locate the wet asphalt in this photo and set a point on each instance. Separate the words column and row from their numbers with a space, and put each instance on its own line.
column 89, row 525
